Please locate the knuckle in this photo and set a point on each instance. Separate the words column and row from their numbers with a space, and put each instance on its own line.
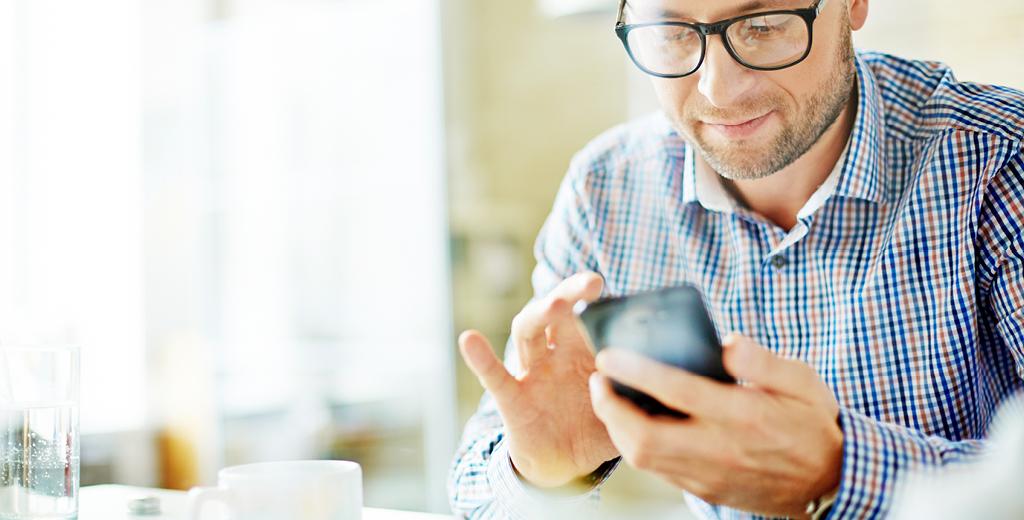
column 637, row 457
column 517, row 322
column 714, row 496
column 642, row 439
column 807, row 374
column 745, row 416
column 735, row 460
column 690, row 394
column 642, row 456
column 575, row 278
column 750, row 419
column 684, row 397
column 700, row 489
column 728, row 459
column 711, row 488
column 599, row 404
column 555, row 306
column 524, row 326
column 503, row 386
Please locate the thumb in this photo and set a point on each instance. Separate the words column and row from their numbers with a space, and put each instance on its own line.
column 748, row 361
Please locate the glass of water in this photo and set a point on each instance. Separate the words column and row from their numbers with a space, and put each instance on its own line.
column 38, row 433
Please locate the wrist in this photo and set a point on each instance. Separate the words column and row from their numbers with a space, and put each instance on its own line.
column 819, row 507
column 826, row 488
column 539, row 477
column 571, row 485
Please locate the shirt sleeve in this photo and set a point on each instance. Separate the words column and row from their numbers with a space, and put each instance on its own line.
column 877, row 454
column 482, row 483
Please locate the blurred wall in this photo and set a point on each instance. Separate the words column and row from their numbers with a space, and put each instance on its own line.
column 524, row 93
column 982, row 41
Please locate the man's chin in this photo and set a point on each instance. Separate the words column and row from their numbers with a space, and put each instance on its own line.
column 739, row 160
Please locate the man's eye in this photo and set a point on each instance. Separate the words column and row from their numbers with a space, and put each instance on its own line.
column 766, row 26
column 761, row 25
column 677, row 36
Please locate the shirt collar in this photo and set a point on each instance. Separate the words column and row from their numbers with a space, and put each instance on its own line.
column 863, row 174
column 857, row 174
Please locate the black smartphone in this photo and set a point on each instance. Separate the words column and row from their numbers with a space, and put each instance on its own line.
column 670, row 325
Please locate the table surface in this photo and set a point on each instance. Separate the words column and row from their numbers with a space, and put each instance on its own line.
column 109, row 502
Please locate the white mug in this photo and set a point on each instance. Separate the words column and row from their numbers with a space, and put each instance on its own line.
column 286, row 490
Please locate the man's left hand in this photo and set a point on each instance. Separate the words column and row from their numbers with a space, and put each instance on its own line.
column 768, row 446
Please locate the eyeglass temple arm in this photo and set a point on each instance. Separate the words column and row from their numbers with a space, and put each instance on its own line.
column 622, row 13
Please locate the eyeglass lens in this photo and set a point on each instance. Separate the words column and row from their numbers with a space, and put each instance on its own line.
column 765, row 41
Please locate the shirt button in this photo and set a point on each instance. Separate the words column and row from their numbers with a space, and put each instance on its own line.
column 779, row 261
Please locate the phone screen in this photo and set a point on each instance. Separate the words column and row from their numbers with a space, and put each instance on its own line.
column 670, row 325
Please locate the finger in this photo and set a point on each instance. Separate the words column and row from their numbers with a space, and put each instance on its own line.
column 746, row 360
column 676, row 388
column 530, row 326
column 586, row 286
column 617, row 413
column 566, row 330
column 480, row 357
column 651, row 443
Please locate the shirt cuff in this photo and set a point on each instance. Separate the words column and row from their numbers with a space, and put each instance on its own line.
column 520, row 500
column 875, row 454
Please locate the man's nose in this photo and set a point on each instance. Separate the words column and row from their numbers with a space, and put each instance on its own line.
column 723, row 81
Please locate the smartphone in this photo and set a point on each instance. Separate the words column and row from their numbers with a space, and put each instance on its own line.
column 670, row 325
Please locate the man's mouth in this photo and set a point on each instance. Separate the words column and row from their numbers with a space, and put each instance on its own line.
column 738, row 129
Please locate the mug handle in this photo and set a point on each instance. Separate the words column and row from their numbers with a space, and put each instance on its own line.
column 199, row 496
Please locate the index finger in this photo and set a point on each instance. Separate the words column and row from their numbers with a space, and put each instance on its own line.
column 530, row 325
column 676, row 388
column 585, row 286
column 636, row 434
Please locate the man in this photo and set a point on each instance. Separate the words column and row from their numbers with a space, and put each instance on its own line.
column 855, row 219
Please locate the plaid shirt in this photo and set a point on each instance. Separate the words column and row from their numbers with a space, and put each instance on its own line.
column 903, row 285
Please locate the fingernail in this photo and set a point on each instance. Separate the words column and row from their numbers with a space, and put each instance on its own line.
column 740, row 356
column 613, row 361
column 579, row 307
column 730, row 339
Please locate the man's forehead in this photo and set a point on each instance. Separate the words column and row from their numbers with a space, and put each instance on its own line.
column 707, row 10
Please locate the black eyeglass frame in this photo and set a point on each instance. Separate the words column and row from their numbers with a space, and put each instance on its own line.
column 809, row 14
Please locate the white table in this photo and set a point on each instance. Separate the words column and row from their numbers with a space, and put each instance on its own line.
column 109, row 502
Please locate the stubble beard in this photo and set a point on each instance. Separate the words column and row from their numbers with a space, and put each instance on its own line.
column 794, row 140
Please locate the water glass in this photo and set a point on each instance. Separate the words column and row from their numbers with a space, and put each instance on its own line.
column 38, row 433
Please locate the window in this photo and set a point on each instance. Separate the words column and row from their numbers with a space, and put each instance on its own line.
column 237, row 210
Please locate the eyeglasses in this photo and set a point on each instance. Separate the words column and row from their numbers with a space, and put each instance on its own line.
column 771, row 40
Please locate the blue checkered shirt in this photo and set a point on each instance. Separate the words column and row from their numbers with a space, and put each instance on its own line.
column 904, row 290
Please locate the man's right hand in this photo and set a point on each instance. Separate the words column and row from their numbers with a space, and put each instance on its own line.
column 552, row 433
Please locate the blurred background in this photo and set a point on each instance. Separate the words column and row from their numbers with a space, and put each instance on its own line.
column 264, row 221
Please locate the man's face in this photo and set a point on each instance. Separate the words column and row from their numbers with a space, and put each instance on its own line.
column 749, row 124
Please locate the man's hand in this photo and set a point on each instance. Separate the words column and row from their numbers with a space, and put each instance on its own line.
column 768, row 446
column 553, row 435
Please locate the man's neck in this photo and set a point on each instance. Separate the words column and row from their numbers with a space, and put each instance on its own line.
column 779, row 197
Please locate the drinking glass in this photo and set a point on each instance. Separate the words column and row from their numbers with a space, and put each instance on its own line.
column 39, row 433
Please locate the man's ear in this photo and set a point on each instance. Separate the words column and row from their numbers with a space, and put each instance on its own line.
column 858, row 14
